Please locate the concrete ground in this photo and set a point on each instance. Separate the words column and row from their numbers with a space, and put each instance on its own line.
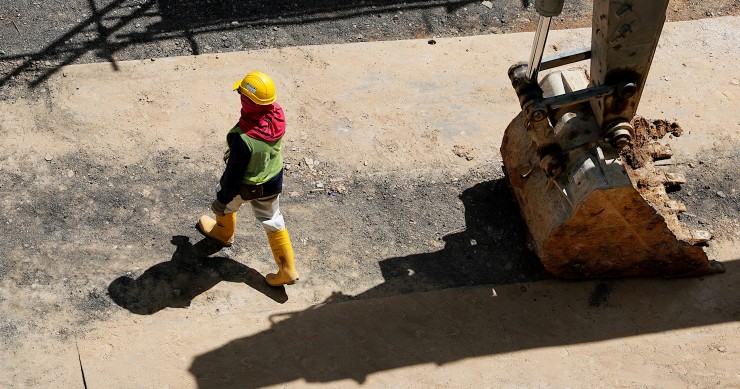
column 414, row 270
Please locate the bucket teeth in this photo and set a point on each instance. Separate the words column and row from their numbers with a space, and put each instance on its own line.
column 659, row 152
column 696, row 237
column 700, row 236
column 675, row 206
column 672, row 179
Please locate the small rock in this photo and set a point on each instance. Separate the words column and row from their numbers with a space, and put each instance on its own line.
column 319, row 184
column 49, row 157
column 275, row 28
column 151, row 59
column 70, row 173
column 234, row 23
column 721, row 194
column 138, row 25
column 691, row 165
column 364, row 163
column 721, row 349
column 487, row 4
column 735, row 81
column 308, row 161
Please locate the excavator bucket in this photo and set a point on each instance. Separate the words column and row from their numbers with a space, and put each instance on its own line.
column 581, row 164
column 606, row 215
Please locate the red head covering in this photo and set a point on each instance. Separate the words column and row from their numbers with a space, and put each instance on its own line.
column 263, row 122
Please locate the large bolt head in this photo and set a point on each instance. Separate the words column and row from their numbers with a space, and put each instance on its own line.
column 628, row 90
column 551, row 165
column 621, row 135
column 621, row 139
column 539, row 115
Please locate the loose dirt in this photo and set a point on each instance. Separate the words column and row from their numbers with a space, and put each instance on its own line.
column 412, row 254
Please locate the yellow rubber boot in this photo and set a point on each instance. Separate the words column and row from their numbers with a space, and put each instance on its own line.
column 282, row 250
column 221, row 229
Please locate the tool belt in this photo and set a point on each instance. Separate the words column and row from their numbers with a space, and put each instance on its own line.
column 251, row 192
column 269, row 188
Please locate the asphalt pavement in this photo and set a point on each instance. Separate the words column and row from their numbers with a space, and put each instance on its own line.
column 38, row 38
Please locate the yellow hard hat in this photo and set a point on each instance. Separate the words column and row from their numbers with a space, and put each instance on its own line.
column 258, row 87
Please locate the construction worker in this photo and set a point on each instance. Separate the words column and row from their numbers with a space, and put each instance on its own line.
column 254, row 174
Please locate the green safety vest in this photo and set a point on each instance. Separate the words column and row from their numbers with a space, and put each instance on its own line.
column 266, row 161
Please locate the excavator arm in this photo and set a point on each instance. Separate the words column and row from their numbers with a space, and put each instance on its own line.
column 564, row 154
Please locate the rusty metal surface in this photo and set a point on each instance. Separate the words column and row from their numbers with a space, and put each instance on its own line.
column 591, row 221
column 624, row 38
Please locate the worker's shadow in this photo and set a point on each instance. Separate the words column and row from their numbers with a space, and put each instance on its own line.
column 190, row 272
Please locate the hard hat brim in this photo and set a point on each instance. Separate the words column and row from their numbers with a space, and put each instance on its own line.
column 237, row 85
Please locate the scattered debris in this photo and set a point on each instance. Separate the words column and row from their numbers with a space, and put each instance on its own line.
column 463, row 152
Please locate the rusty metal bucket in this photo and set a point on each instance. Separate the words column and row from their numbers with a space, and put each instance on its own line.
column 592, row 219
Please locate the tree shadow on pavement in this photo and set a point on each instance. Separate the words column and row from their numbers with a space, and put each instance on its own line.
column 386, row 328
column 116, row 25
column 190, row 272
